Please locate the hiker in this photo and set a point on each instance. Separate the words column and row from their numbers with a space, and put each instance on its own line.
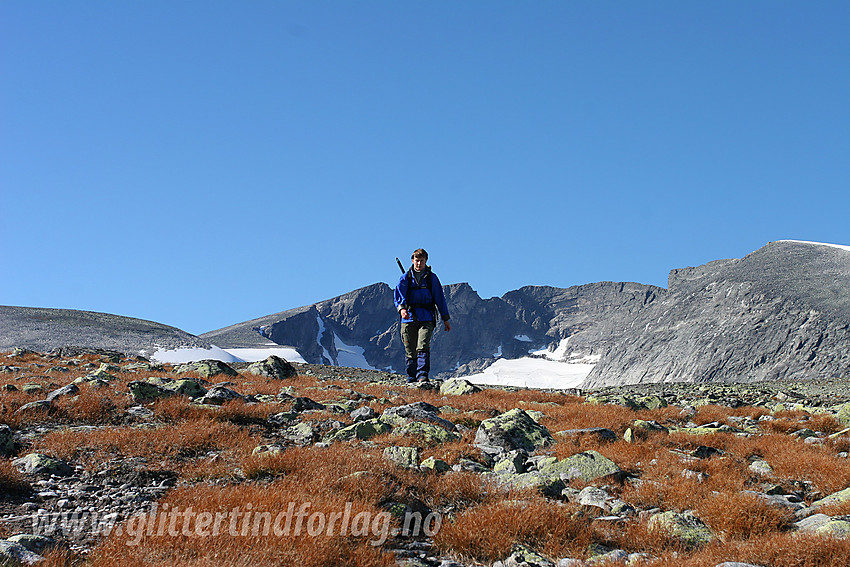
column 418, row 298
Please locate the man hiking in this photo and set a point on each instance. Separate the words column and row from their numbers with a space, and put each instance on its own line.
column 418, row 298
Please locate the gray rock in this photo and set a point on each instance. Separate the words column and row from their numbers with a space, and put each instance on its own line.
column 360, row 431
column 16, row 554
column 142, row 392
column 363, row 413
column 206, row 368
column 69, row 390
column 219, row 395
column 40, row 464
column 273, row 367
column 458, row 387
column 686, row 527
column 433, row 464
column 306, row 404
column 403, row 456
column 34, row 543
column 509, row 431
column 418, row 411
column 35, row 407
column 522, row 556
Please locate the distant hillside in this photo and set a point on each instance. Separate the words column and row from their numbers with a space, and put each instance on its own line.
column 44, row 329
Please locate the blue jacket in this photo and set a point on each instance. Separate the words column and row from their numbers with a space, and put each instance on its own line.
column 417, row 298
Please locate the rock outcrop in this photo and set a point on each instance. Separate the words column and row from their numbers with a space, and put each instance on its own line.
column 782, row 312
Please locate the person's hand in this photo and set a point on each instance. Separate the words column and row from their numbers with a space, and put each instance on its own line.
column 447, row 325
column 404, row 314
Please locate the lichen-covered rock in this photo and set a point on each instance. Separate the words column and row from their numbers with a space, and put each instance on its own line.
column 403, row 456
column 511, row 430
column 146, row 391
column 587, row 466
column 430, row 433
column 418, row 411
column 302, row 434
column 835, row 498
column 206, row 368
column 273, row 367
column 38, row 463
column 434, row 465
column 522, row 556
column 458, row 387
column 361, row 430
column 686, row 527
column 7, row 444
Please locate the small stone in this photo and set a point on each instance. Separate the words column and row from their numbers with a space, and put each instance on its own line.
column 434, row 465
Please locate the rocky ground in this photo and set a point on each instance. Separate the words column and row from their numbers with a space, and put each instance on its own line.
column 661, row 474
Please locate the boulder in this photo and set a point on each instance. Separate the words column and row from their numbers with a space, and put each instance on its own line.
column 34, row 543
column 522, row 556
column 12, row 553
column 587, row 466
column 434, row 465
column 206, row 368
column 305, row 404
column 418, row 411
column 835, row 498
column 363, row 413
column 361, row 430
column 458, row 387
column 69, row 390
column 302, row 434
column 273, row 367
column 40, row 464
column 686, row 528
column 403, row 456
column 430, row 433
column 146, row 391
column 219, row 395
column 511, row 430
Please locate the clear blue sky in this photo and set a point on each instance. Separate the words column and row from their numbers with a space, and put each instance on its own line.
column 201, row 163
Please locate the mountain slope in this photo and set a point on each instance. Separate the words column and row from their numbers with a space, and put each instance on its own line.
column 782, row 312
column 363, row 325
column 43, row 329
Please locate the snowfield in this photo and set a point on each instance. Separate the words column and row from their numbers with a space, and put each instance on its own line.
column 182, row 355
column 840, row 246
column 533, row 373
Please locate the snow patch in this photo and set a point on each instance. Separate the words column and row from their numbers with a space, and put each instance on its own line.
column 289, row 354
column 498, row 352
column 351, row 356
column 325, row 352
column 523, row 338
column 840, row 246
column 191, row 354
column 532, row 373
